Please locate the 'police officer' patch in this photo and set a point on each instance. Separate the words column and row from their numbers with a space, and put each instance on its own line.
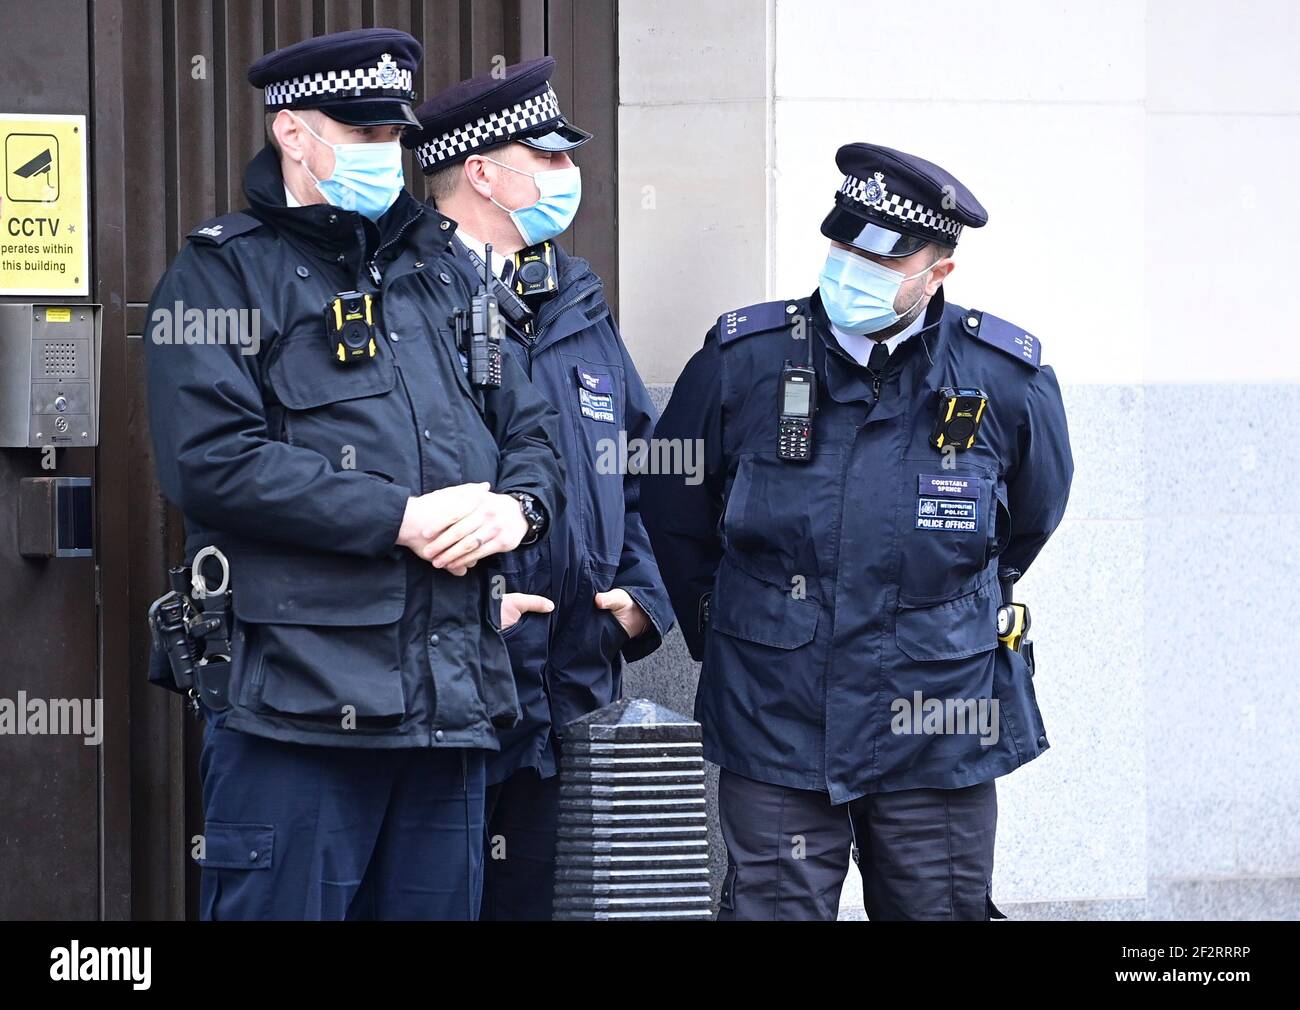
column 947, row 503
column 595, row 394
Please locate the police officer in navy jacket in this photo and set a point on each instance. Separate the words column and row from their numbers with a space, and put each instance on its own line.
column 496, row 151
column 840, row 570
column 363, row 506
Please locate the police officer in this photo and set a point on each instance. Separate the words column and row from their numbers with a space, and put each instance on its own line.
column 837, row 571
column 362, row 492
column 496, row 153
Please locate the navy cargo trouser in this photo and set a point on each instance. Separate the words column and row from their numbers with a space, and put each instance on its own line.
column 523, row 814
column 922, row 853
column 300, row 832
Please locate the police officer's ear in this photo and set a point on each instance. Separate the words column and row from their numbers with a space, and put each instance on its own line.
column 476, row 170
column 291, row 139
column 941, row 269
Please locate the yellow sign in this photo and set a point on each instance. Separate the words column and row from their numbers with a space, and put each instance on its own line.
column 44, row 237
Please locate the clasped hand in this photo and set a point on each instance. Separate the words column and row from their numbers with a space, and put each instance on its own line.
column 453, row 528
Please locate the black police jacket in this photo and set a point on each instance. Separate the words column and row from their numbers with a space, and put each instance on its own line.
column 569, row 663
column 300, row 469
column 849, row 639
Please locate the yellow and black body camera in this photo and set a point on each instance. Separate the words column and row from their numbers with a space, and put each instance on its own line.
column 351, row 320
column 960, row 413
column 536, row 274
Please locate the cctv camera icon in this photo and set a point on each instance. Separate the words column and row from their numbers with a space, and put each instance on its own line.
column 32, row 163
column 40, row 165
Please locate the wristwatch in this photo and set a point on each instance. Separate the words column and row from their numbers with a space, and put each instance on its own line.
column 534, row 516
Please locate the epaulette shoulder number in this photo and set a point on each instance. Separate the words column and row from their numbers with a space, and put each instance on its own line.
column 221, row 230
column 760, row 318
column 1004, row 336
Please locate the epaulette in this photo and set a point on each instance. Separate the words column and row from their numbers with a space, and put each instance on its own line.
column 221, row 230
column 755, row 319
column 1006, row 337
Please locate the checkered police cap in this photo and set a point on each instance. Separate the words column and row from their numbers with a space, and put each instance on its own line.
column 490, row 130
column 383, row 80
column 469, row 117
column 365, row 76
column 874, row 193
column 891, row 203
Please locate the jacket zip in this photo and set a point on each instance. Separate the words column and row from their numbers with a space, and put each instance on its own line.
column 531, row 341
column 551, row 316
column 375, row 275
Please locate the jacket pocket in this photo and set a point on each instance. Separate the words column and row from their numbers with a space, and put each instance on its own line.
column 1000, row 527
column 784, row 517
column 760, row 611
column 356, row 416
column 304, row 377
column 497, row 687
column 946, row 530
column 322, row 633
column 956, row 629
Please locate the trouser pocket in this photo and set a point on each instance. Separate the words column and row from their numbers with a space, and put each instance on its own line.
column 236, row 860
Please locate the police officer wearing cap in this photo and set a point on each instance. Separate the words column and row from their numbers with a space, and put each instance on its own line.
column 496, row 150
column 879, row 465
column 363, row 493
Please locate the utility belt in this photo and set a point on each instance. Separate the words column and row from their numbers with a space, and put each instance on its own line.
column 190, row 629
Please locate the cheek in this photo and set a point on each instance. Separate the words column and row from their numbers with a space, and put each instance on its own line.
column 523, row 191
column 320, row 160
column 908, row 294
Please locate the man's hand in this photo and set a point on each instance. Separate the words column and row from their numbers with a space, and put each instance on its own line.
column 431, row 514
column 515, row 605
column 495, row 525
column 625, row 610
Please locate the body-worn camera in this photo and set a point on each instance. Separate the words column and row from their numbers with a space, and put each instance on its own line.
column 536, row 275
column 960, row 413
column 351, row 320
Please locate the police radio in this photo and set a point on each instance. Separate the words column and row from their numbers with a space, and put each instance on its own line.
column 798, row 406
column 479, row 330
column 535, row 271
column 350, row 321
column 960, row 413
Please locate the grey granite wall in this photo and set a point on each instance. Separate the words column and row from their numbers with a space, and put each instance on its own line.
column 1165, row 622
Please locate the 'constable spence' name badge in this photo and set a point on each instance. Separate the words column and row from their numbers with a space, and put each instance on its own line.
column 947, row 503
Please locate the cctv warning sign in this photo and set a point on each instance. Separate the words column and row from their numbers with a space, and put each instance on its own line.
column 44, row 239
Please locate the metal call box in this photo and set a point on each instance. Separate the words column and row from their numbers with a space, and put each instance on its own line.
column 49, row 375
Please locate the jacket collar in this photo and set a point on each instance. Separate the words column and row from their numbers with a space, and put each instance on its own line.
column 847, row 381
column 322, row 229
column 565, row 313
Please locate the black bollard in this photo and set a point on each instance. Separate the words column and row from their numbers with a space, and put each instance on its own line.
column 633, row 835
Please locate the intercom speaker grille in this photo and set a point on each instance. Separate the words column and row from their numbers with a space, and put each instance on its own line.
column 60, row 358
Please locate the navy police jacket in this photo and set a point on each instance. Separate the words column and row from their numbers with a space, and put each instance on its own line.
column 569, row 662
column 845, row 608
column 299, row 470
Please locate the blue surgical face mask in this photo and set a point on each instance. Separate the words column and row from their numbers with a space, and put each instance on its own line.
column 560, row 192
column 858, row 294
column 367, row 178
